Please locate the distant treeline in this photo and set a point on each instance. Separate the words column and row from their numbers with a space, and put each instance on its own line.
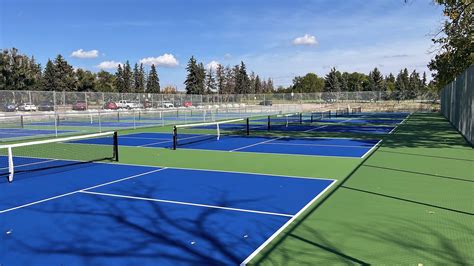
column 21, row 72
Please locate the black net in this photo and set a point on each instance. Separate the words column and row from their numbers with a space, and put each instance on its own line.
column 189, row 134
column 25, row 158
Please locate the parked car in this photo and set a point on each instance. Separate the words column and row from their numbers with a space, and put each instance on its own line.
column 167, row 104
column 110, row 106
column 266, row 103
column 28, row 107
column 148, row 104
column 9, row 107
column 124, row 104
column 80, row 106
column 187, row 104
column 46, row 106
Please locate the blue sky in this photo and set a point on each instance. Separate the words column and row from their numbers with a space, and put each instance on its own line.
column 277, row 39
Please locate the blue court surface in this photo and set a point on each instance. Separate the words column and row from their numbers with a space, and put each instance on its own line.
column 112, row 214
column 93, row 124
column 338, row 147
column 23, row 132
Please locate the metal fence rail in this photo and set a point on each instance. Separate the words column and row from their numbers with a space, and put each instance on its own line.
column 457, row 102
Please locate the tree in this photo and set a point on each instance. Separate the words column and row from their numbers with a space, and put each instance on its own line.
column 119, row 82
column 455, row 51
column 390, row 83
column 242, row 82
column 85, row 80
column 105, row 82
column 127, row 76
column 170, row 90
column 357, row 81
column 252, row 78
column 258, row 85
column 211, row 86
column 375, row 80
column 195, row 78
column 307, row 84
column 268, row 88
column 65, row 79
column 48, row 81
column 138, row 79
column 153, row 82
column 332, row 83
column 220, row 78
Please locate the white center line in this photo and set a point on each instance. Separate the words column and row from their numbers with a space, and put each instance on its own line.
column 186, row 203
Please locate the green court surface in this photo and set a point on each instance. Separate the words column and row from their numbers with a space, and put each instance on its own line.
column 410, row 202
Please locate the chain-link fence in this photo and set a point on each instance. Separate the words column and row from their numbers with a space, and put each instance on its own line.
column 62, row 101
column 457, row 101
column 27, row 125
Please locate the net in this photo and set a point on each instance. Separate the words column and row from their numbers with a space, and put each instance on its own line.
column 27, row 157
column 284, row 120
column 11, row 122
column 315, row 116
column 211, row 131
column 356, row 110
column 342, row 111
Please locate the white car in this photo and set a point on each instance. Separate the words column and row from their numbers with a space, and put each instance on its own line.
column 124, row 104
column 167, row 105
column 27, row 107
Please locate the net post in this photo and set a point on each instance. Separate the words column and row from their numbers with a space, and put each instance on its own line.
column 312, row 115
column 118, row 116
column 301, row 118
column 11, row 168
column 247, row 120
column 268, row 123
column 116, row 153
column 22, row 122
column 175, row 137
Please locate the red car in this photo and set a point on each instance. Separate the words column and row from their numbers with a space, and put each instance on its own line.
column 80, row 106
column 111, row 106
column 187, row 104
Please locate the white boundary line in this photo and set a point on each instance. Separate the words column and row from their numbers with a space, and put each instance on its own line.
column 318, row 145
column 77, row 191
column 255, row 144
column 371, row 149
column 262, row 246
column 185, row 203
column 28, row 164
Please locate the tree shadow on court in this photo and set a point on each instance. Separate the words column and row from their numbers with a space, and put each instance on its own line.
column 97, row 228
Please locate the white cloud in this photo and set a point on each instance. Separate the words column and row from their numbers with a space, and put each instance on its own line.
column 166, row 60
column 305, row 40
column 108, row 65
column 85, row 54
column 227, row 56
column 212, row 65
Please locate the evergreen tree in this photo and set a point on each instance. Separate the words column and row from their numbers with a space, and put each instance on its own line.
column 252, row 82
column 119, row 81
column 345, row 81
column 48, row 81
column 375, row 80
column 193, row 79
column 220, row 77
column 332, row 83
column 153, row 82
column 269, row 86
column 201, row 78
column 127, row 76
column 400, row 87
column 258, row 85
column 390, row 83
column 242, row 85
column 211, row 86
column 64, row 75
column 105, row 82
column 138, row 79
